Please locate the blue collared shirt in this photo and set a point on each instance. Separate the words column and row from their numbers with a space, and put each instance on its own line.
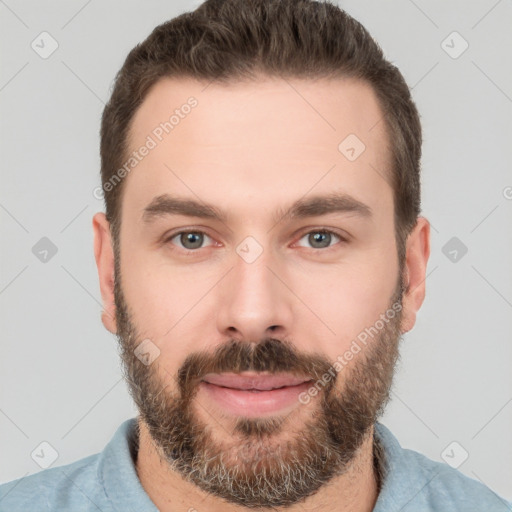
column 108, row 482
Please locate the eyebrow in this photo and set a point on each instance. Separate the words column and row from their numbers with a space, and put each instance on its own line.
column 165, row 205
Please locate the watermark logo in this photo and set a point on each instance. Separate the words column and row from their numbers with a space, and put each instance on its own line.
column 351, row 147
column 454, row 454
column 44, row 45
column 454, row 45
column 44, row 250
column 146, row 351
column 249, row 249
column 44, row 455
column 454, row 249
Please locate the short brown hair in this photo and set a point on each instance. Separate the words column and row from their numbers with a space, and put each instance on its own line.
column 230, row 40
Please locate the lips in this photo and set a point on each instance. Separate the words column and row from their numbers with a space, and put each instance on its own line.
column 254, row 381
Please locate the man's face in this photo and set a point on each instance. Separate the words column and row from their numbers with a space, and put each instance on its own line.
column 257, row 292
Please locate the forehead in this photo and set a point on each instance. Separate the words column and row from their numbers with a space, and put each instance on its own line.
column 272, row 137
column 329, row 107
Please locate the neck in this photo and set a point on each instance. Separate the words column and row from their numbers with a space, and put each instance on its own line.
column 356, row 490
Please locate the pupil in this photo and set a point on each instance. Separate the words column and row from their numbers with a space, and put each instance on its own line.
column 193, row 239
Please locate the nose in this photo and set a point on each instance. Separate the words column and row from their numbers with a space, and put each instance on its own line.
column 253, row 302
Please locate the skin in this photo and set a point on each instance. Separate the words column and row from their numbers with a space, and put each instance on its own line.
column 251, row 149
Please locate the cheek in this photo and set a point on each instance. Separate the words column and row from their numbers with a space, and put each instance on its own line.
column 347, row 298
column 159, row 298
column 169, row 304
column 161, row 311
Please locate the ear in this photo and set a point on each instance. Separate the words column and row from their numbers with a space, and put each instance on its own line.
column 104, row 255
column 418, row 252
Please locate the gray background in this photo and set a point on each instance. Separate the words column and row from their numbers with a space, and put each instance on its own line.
column 60, row 378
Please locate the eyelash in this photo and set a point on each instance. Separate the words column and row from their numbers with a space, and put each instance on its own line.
column 318, row 230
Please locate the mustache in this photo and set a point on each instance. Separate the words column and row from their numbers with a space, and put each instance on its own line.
column 270, row 355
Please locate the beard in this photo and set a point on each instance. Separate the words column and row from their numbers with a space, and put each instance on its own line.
column 262, row 462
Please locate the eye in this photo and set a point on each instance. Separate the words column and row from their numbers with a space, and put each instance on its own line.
column 321, row 238
column 189, row 240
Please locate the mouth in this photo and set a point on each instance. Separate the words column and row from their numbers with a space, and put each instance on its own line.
column 254, row 394
column 253, row 382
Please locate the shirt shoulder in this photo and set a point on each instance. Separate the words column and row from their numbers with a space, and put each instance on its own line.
column 106, row 481
column 444, row 485
column 413, row 482
column 74, row 486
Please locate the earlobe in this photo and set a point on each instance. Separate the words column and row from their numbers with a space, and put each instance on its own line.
column 104, row 256
column 418, row 252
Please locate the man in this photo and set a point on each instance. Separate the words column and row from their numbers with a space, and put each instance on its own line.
column 260, row 256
